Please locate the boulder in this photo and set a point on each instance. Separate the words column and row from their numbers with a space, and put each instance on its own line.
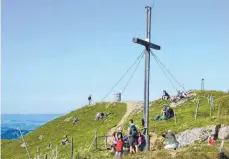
column 188, row 137
column 224, row 132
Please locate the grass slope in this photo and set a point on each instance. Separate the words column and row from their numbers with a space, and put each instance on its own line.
column 185, row 113
column 54, row 131
column 83, row 132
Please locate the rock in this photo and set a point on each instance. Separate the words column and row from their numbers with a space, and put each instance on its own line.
column 197, row 134
column 224, row 132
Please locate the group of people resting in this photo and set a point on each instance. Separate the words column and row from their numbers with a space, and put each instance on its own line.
column 180, row 95
column 134, row 140
column 166, row 113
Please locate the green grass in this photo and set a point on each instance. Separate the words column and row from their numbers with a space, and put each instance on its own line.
column 195, row 151
column 185, row 114
column 54, row 131
column 83, row 131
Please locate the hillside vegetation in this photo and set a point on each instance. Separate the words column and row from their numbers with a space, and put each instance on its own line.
column 83, row 131
column 54, row 132
column 185, row 113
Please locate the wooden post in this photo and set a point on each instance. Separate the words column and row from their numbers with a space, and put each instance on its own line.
column 105, row 142
column 56, row 152
column 71, row 151
column 38, row 152
column 45, row 156
column 95, row 141
column 175, row 117
column 27, row 150
column 210, row 110
column 222, row 145
column 219, row 111
column 197, row 106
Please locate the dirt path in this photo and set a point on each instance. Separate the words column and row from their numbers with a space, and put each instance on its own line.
column 131, row 106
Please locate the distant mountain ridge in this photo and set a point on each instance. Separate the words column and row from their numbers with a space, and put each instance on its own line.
column 13, row 134
column 27, row 123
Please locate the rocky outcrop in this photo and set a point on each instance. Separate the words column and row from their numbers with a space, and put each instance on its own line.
column 188, row 137
column 223, row 132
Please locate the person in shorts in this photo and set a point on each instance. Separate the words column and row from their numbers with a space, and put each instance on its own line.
column 133, row 136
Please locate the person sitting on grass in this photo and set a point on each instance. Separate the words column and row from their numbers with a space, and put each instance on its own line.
column 75, row 120
column 65, row 141
column 171, row 142
column 211, row 141
column 165, row 95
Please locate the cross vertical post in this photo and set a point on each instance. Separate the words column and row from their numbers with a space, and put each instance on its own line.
column 148, row 45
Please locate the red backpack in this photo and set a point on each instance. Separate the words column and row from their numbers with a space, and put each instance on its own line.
column 119, row 146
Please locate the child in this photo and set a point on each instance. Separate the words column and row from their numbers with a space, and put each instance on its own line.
column 140, row 141
column 119, row 148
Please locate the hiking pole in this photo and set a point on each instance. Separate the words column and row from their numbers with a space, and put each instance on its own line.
column 24, row 142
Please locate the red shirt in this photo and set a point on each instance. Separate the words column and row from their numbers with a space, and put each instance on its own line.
column 211, row 141
column 119, row 146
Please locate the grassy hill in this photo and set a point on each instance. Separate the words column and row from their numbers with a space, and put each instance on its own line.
column 54, row 132
column 83, row 131
column 185, row 113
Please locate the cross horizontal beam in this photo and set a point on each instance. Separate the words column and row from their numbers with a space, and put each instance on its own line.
column 146, row 43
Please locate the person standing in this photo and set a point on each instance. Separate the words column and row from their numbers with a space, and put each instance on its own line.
column 89, row 99
column 133, row 136
column 119, row 147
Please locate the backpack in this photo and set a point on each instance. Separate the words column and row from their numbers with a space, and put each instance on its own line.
column 133, row 130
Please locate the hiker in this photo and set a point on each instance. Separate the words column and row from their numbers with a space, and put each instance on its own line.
column 140, row 141
column 143, row 125
column 65, row 141
column 133, row 136
column 115, row 138
column 76, row 119
column 165, row 95
column 99, row 116
column 168, row 112
column 211, row 141
column 119, row 147
column 89, row 99
column 171, row 140
column 164, row 113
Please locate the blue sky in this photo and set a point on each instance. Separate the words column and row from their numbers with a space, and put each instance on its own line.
column 55, row 52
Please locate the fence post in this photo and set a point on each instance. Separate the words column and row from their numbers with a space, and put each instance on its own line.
column 197, row 106
column 56, row 152
column 175, row 117
column 38, row 152
column 71, row 151
column 105, row 142
column 95, row 141
column 45, row 156
column 210, row 110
